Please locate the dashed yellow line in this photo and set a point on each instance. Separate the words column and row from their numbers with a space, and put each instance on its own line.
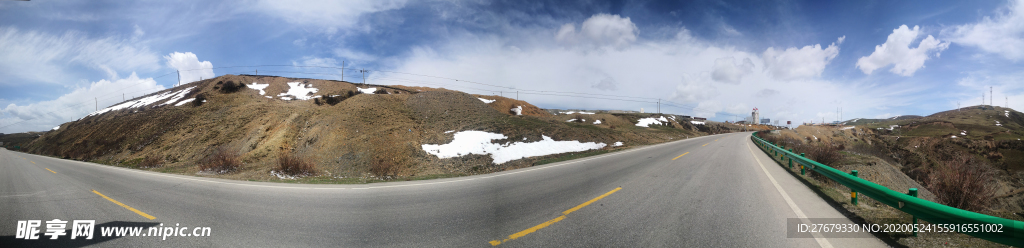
column 54, row 172
column 125, row 206
column 684, row 154
column 706, row 144
column 552, row 221
column 33, row 162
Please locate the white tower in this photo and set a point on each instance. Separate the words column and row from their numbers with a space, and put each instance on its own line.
column 756, row 115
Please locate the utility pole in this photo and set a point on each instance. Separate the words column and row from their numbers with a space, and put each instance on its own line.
column 517, row 95
column 97, row 103
column 659, row 105
column 343, row 71
column 991, row 97
column 179, row 77
column 257, row 72
column 122, row 97
column 364, row 75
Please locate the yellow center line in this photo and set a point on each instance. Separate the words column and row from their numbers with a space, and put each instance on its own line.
column 684, row 154
column 54, row 172
column 552, row 221
column 706, row 144
column 33, row 162
column 125, row 206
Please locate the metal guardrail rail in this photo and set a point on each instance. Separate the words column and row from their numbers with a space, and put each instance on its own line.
column 935, row 213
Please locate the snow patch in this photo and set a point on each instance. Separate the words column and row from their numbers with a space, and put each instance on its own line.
column 367, row 90
column 145, row 101
column 646, row 122
column 184, row 102
column 518, row 110
column 697, row 122
column 846, row 128
column 954, row 136
column 449, row 131
column 479, row 142
column 617, row 143
column 281, row 175
column 259, row 87
column 485, row 100
column 597, row 122
column 963, row 132
column 299, row 90
column 55, row 128
column 286, row 98
column 997, row 124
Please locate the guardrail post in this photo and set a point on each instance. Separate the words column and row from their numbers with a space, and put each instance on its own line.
column 791, row 159
column 802, row 170
column 913, row 192
column 853, row 193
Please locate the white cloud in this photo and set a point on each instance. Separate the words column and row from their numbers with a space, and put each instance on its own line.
column 679, row 70
column 896, row 51
column 1002, row 34
column 43, row 57
column 328, row 14
column 41, row 116
column 189, row 67
column 727, row 71
column 694, row 89
column 599, row 30
column 351, row 56
column 803, row 63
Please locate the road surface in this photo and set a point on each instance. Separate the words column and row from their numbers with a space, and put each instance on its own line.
column 712, row 191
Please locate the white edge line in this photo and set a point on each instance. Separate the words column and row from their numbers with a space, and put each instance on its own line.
column 796, row 209
column 498, row 174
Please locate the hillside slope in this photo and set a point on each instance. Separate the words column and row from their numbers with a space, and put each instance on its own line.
column 345, row 130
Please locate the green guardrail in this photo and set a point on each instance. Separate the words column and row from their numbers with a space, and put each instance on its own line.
column 1012, row 232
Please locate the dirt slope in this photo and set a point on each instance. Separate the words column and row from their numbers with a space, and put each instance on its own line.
column 343, row 133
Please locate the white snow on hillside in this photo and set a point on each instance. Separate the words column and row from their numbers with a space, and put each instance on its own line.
column 518, row 110
column 259, row 87
column 846, row 128
column 597, row 122
column 479, row 142
column 184, row 102
column 485, row 100
column 55, row 128
column 144, row 101
column 617, row 143
column 1007, row 113
column 997, row 124
column 299, row 91
column 367, row 90
column 175, row 97
column 646, row 122
column 697, row 122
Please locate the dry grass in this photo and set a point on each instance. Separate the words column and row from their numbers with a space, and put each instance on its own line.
column 151, row 162
column 963, row 182
column 295, row 166
column 223, row 160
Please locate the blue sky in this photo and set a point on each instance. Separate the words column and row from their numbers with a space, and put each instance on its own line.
column 794, row 60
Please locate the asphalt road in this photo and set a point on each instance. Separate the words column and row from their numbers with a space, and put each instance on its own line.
column 722, row 193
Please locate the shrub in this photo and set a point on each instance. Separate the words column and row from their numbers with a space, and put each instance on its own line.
column 221, row 161
column 578, row 118
column 354, row 93
column 199, row 100
column 384, row 168
column 151, row 162
column 963, row 182
column 231, row 87
column 824, row 153
column 292, row 165
column 381, row 91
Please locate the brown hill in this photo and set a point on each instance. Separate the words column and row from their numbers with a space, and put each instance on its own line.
column 342, row 132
